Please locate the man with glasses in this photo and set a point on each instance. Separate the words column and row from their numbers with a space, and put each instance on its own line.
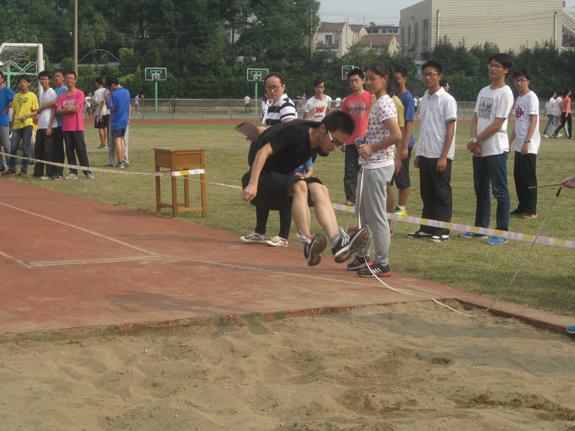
column 318, row 106
column 489, row 145
column 357, row 105
column 272, row 184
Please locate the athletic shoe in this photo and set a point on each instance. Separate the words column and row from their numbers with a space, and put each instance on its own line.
column 22, row 173
column 90, row 176
column 559, row 135
column 2, row 168
column 44, row 177
column 571, row 137
column 254, row 238
column 516, row 213
column 419, row 234
column 473, row 235
column 390, row 232
column 571, row 329
column 33, row 176
column 8, row 173
column 529, row 216
column 375, row 270
column 72, row 177
column 494, row 240
column 349, row 244
column 57, row 177
column 544, row 136
column 119, row 165
column 312, row 250
column 101, row 147
column 277, row 241
column 350, row 203
column 358, row 263
column 399, row 211
column 126, row 164
column 353, row 229
column 439, row 238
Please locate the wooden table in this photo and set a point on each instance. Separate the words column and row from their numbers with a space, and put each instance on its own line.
column 180, row 160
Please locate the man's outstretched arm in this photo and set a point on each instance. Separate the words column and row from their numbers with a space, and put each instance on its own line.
column 260, row 160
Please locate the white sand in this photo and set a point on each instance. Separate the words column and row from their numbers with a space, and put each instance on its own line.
column 405, row 367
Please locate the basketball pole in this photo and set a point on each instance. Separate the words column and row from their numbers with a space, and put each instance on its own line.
column 156, row 93
column 256, row 98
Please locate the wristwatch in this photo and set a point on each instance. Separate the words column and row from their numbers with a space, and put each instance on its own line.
column 526, row 141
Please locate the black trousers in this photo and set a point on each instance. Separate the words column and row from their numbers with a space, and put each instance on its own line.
column 565, row 118
column 59, row 155
column 43, row 150
column 75, row 144
column 435, row 194
column 262, row 215
column 525, row 175
column 351, row 172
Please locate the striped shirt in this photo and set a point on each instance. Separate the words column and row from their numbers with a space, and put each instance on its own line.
column 281, row 110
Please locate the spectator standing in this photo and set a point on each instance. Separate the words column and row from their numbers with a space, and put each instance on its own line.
column 247, row 104
column 549, row 110
column 318, row 106
column 102, row 117
column 565, row 116
column 6, row 96
column 120, row 108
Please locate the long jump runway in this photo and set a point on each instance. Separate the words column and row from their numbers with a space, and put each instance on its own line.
column 74, row 267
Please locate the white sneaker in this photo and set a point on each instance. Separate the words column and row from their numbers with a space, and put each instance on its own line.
column 254, row 238
column 71, row 177
column 277, row 241
column 44, row 177
column 544, row 136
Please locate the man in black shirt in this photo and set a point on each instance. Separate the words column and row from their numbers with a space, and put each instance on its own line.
column 271, row 183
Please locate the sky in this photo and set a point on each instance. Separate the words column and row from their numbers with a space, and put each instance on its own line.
column 379, row 11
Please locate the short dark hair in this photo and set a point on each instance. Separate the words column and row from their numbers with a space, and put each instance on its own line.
column 318, row 80
column 434, row 64
column 112, row 80
column 44, row 73
column 553, row 93
column 443, row 82
column 357, row 72
column 60, row 71
column 99, row 80
column 401, row 70
column 24, row 77
column 503, row 59
column 522, row 73
column 71, row 72
column 277, row 75
column 339, row 120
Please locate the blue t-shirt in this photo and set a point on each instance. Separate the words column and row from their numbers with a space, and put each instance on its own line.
column 304, row 168
column 6, row 96
column 120, row 101
column 59, row 91
column 408, row 111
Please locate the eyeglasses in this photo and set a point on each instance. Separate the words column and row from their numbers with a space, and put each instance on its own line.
column 319, row 86
column 334, row 143
column 520, row 81
column 368, row 80
column 355, row 81
column 494, row 66
column 272, row 87
column 429, row 74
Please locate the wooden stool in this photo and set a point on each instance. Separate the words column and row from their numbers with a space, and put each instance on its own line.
column 180, row 160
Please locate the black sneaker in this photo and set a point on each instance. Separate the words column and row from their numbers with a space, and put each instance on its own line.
column 439, row 238
column 312, row 250
column 349, row 244
column 516, row 213
column 419, row 234
column 375, row 270
column 358, row 263
column 22, row 173
column 9, row 173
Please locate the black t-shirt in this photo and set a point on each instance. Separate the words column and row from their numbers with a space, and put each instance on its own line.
column 291, row 145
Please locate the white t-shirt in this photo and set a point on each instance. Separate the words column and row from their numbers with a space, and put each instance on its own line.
column 435, row 111
column 492, row 104
column 44, row 119
column 525, row 107
column 247, row 100
column 383, row 109
column 317, row 108
column 549, row 106
column 557, row 107
column 100, row 97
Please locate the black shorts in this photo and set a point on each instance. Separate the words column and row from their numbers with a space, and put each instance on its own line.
column 118, row 133
column 273, row 188
column 402, row 180
column 101, row 124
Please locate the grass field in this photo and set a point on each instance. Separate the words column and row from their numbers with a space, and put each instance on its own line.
column 546, row 281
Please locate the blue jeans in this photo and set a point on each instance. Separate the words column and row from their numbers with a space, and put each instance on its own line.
column 24, row 134
column 491, row 172
column 549, row 124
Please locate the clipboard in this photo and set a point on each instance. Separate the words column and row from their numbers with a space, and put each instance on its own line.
column 248, row 129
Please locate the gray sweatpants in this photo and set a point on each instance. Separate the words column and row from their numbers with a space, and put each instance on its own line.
column 5, row 140
column 112, row 147
column 371, row 200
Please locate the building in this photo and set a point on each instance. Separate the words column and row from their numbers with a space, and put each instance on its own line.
column 380, row 43
column 334, row 36
column 382, row 29
column 511, row 24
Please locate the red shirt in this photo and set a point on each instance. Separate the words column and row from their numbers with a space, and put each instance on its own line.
column 358, row 108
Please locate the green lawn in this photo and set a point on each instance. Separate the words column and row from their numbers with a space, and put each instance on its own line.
column 546, row 280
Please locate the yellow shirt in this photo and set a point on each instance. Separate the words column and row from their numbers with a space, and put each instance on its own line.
column 398, row 106
column 24, row 104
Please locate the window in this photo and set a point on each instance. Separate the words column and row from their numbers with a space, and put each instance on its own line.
column 409, row 35
column 416, row 31
column 328, row 39
column 425, row 31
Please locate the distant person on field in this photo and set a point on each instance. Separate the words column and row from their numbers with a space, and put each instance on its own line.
column 6, row 96
column 489, row 145
column 102, row 117
column 357, row 105
column 247, row 104
column 264, row 107
column 120, row 112
column 526, row 131
column 444, row 84
column 565, row 116
column 557, row 114
column 551, row 120
column 24, row 104
column 69, row 105
column 137, row 103
column 318, row 106
column 435, row 152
